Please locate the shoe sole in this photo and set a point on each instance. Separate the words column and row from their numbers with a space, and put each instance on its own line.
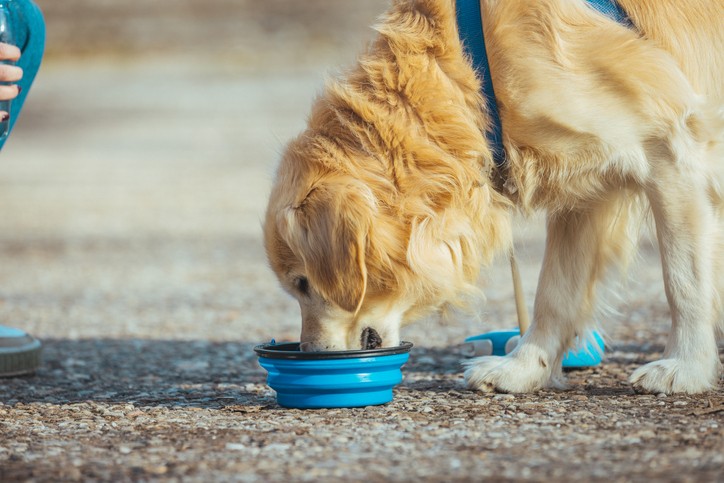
column 21, row 360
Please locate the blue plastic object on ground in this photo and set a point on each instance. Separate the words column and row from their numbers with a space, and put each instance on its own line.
column 334, row 379
column 587, row 356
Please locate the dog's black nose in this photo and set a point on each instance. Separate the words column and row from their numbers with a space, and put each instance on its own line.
column 370, row 339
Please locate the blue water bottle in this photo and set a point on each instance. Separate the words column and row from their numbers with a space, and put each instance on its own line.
column 21, row 24
column 7, row 37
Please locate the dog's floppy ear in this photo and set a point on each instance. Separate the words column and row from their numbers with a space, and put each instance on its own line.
column 328, row 230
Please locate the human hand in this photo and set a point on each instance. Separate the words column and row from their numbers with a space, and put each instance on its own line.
column 9, row 73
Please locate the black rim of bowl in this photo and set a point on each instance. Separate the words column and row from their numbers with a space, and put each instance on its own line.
column 290, row 350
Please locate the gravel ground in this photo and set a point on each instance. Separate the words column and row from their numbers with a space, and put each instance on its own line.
column 131, row 196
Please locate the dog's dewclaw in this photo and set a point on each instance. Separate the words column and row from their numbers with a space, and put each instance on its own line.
column 370, row 339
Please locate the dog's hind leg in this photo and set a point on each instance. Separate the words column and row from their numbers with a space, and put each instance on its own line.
column 686, row 227
column 580, row 247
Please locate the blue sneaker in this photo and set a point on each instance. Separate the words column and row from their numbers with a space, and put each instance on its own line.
column 501, row 342
column 19, row 352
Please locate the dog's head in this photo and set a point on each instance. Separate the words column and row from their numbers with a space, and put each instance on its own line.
column 323, row 232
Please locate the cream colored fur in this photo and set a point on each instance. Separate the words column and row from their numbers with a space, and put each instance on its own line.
column 386, row 207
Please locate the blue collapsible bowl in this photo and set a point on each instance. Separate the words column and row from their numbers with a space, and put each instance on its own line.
column 587, row 356
column 332, row 379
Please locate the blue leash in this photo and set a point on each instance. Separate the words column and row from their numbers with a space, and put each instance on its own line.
column 470, row 26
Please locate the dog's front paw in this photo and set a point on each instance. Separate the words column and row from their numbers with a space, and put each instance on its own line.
column 511, row 373
column 675, row 375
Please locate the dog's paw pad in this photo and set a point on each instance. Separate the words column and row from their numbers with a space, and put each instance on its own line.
column 486, row 387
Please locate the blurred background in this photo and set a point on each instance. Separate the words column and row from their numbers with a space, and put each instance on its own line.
column 133, row 187
column 167, row 116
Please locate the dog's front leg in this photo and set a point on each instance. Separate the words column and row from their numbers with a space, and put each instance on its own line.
column 686, row 229
column 579, row 247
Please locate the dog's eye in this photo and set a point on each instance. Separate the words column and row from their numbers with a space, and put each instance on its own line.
column 302, row 285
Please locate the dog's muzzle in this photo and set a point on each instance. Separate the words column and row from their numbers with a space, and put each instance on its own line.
column 370, row 339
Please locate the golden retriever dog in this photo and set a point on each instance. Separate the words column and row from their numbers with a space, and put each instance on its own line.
column 387, row 206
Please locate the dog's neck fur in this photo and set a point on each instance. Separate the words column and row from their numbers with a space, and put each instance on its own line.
column 412, row 94
column 410, row 120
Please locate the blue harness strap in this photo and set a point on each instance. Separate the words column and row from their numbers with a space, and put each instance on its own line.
column 470, row 28
column 612, row 10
